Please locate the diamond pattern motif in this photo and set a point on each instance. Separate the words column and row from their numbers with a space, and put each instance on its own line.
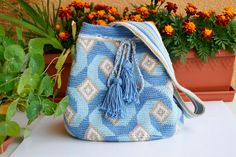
column 148, row 63
column 139, row 134
column 106, row 66
column 160, row 112
column 88, row 90
column 92, row 134
column 69, row 114
column 86, row 43
column 113, row 120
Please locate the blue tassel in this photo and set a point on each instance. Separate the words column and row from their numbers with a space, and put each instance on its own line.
column 129, row 86
column 113, row 104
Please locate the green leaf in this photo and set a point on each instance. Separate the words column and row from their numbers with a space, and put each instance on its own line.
column 36, row 51
column 59, row 81
column 11, row 110
column 32, row 13
column 27, row 83
column 46, row 86
column 36, row 45
column 62, row 58
column 61, row 107
column 36, row 63
column 2, row 49
column 9, row 128
column 15, row 58
column 2, row 117
column 49, row 107
column 19, row 36
column 5, row 85
column 2, row 31
column 33, row 110
column 26, row 25
column 7, row 42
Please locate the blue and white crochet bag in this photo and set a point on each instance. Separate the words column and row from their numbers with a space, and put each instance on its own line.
column 122, row 86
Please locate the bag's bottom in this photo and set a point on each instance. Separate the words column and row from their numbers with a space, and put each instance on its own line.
column 139, row 135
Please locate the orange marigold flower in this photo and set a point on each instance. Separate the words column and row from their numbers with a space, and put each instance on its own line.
column 229, row 11
column 189, row 27
column 168, row 30
column 58, row 27
column 100, row 7
column 65, row 12
column 78, row 4
column 171, row 7
column 143, row 11
column 191, row 9
column 92, row 15
column 111, row 18
column 113, row 11
column 125, row 19
column 207, row 33
column 136, row 18
column 101, row 22
column 205, row 14
column 101, row 13
column 64, row 36
column 86, row 5
column 222, row 20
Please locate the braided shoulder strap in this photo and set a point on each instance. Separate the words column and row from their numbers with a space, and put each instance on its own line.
column 148, row 33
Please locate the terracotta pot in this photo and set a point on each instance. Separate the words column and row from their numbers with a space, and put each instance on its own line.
column 4, row 146
column 207, row 78
column 64, row 75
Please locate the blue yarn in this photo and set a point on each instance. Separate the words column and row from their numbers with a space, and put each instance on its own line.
column 113, row 104
column 129, row 86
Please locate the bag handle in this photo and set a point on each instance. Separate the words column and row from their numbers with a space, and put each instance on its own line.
column 147, row 32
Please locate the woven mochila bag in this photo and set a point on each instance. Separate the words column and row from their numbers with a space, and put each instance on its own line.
column 122, row 86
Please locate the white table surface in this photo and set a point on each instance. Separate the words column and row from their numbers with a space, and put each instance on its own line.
column 211, row 135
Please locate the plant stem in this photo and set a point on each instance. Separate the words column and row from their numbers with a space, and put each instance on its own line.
column 9, row 81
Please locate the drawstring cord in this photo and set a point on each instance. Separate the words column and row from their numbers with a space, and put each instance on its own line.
column 123, row 87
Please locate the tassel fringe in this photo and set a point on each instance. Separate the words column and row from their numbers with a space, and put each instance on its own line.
column 130, row 92
column 113, row 104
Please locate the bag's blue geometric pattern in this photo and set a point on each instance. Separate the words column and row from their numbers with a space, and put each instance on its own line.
column 156, row 116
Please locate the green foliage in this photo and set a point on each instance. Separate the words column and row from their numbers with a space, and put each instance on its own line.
column 36, row 51
column 9, row 128
column 62, row 106
column 49, row 107
column 14, row 58
column 11, row 110
column 24, row 83
column 2, row 31
column 40, row 22
column 46, row 86
column 5, row 84
column 28, row 83
column 34, row 107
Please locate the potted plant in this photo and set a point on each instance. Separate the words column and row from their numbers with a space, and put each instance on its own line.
column 24, row 85
column 202, row 45
column 41, row 24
